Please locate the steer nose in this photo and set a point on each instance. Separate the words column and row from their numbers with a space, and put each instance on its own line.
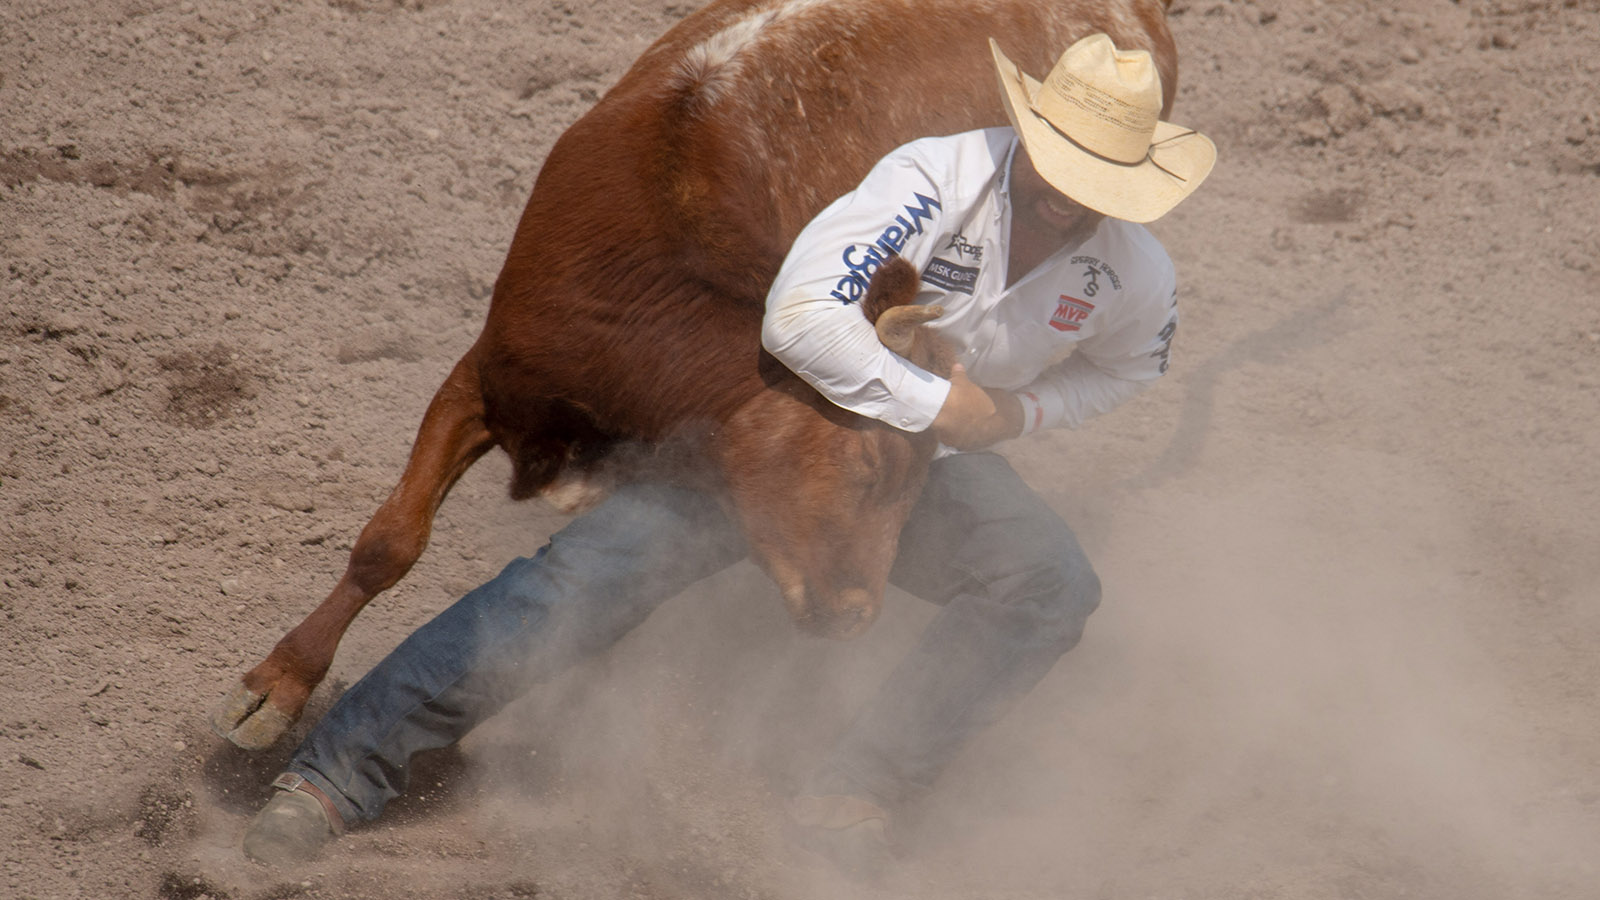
column 844, row 615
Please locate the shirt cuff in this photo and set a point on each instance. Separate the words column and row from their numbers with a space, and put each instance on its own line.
column 919, row 397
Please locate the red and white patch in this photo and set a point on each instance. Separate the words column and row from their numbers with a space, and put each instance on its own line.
column 1071, row 313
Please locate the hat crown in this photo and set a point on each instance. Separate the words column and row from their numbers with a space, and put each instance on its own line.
column 1105, row 100
column 1093, row 130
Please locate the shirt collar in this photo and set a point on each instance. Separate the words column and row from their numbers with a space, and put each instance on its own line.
column 1003, row 177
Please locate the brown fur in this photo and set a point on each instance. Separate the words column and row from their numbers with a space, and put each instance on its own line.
column 629, row 306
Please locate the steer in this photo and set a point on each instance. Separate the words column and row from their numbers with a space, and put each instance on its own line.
column 673, row 202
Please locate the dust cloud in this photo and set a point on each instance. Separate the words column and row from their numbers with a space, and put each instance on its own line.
column 1347, row 644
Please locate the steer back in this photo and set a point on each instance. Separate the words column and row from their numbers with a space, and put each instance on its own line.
column 631, row 296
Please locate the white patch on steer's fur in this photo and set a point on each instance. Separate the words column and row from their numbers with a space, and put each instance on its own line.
column 711, row 66
column 1120, row 16
column 711, row 69
column 571, row 494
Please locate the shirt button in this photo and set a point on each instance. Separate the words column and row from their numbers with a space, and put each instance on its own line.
column 905, row 423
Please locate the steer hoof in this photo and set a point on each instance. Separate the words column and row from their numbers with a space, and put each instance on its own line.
column 248, row 719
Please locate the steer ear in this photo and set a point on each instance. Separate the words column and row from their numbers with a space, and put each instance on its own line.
column 897, row 327
column 894, row 284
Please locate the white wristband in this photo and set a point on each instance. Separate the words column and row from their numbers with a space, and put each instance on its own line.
column 1032, row 411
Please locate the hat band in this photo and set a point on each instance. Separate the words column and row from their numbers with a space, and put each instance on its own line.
column 1147, row 158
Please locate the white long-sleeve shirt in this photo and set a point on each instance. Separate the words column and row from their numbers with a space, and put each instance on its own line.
column 1084, row 331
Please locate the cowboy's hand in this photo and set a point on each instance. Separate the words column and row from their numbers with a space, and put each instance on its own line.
column 973, row 418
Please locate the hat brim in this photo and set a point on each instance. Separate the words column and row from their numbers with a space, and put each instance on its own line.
column 1180, row 158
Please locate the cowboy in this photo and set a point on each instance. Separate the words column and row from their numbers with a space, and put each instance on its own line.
column 1008, row 227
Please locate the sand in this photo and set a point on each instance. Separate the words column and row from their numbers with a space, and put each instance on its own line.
column 1348, row 542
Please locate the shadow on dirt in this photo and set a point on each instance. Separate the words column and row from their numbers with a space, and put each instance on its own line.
column 238, row 781
column 1295, row 333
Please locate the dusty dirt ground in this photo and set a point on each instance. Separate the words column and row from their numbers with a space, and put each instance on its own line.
column 1349, row 543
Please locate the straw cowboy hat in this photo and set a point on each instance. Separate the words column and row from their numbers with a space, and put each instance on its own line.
column 1093, row 130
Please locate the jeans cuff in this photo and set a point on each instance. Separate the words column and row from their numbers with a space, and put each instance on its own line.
column 347, row 810
column 836, row 779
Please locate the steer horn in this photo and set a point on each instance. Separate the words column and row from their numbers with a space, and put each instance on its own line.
column 890, row 305
column 897, row 326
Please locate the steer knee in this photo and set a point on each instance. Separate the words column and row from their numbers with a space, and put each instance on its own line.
column 380, row 559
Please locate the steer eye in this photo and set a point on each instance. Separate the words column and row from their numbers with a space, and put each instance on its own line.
column 887, row 458
column 868, row 458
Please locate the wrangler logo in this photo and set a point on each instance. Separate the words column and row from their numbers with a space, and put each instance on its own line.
column 1071, row 313
column 860, row 262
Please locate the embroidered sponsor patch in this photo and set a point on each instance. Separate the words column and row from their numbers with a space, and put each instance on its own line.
column 1164, row 353
column 946, row 274
column 1093, row 269
column 963, row 249
column 1070, row 313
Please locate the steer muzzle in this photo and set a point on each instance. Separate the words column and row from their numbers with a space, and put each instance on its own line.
column 840, row 615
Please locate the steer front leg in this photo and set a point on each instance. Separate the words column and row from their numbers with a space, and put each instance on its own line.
column 270, row 697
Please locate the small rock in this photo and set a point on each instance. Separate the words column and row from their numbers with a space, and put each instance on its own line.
column 1394, row 98
column 208, row 466
column 179, row 746
column 1312, row 131
column 108, row 378
column 1391, row 137
column 1410, row 55
column 1345, row 113
column 317, row 535
column 291, row 501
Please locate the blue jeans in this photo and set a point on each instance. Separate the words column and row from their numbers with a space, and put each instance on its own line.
column 1014, row 586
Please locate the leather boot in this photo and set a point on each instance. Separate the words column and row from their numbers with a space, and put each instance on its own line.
column 294, row 826
column 850, row 832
